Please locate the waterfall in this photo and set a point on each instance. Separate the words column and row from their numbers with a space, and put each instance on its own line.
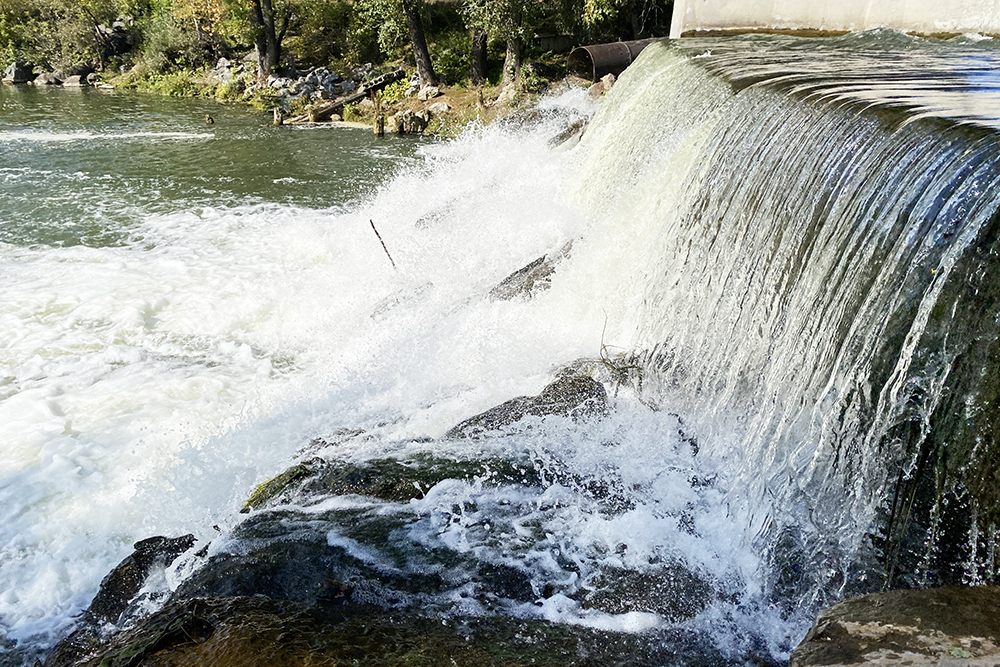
column 819, row 290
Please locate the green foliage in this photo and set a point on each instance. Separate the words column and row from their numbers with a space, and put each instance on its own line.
column 355, row 113
column 264, row 99
column 386, row 17
column 503, row 19
column 231, row 90
column 452, row 60
column 52, row 33
column 394, row 92
column 177, row 84
column 168, row 43
column 324, row 29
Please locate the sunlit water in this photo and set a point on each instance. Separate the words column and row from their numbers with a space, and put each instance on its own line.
column 185, row 306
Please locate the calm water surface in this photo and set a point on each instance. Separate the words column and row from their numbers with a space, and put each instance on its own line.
column 84, row 166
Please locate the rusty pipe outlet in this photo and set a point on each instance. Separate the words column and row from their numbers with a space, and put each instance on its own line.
column 595, row 61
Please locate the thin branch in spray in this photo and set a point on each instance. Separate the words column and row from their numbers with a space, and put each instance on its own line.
column 383, row 243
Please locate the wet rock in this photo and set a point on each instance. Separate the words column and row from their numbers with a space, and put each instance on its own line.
column 535, row 277
column 271, row 488
column 290, row 555
column 952, row 625
column 257, row 631
column 122, row 583
column 573, row 133
column 75, row 80
column 18, row 72
column 673, row 592
column 385, row 479
column 570, row 395
column 47, row 79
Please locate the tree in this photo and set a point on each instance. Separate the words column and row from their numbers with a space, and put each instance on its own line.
column 477, row 69
column 269, row 24
column 418, row 42
column 510, row 20
column 389, row 16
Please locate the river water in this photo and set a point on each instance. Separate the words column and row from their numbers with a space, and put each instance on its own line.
column 782, row 232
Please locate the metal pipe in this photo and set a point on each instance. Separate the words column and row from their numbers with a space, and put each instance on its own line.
column 597, row 60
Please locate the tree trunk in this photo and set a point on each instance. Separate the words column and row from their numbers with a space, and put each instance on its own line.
column 512, row 61
column 635, row 17
column 477, row 71
column 419, row 43
column 267, row 40
column 515, row 52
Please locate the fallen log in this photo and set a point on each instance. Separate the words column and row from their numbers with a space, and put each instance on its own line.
column 324, row 111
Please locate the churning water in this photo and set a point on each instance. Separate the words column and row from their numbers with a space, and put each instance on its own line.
column 793, row 240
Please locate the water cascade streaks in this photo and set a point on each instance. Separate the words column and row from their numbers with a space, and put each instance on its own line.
column 817, row 297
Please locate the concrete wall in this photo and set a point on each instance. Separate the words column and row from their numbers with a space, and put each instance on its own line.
column 920, row 16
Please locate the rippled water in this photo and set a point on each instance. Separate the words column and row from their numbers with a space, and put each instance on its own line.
column 89, row 167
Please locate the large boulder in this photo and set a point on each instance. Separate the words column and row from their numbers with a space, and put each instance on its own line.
column 258, row 631
column 948, row 626
column 409, row 122
column 18, row 72
column 47, row 79
column 572, row 395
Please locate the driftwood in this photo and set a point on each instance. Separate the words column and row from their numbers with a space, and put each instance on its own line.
column 324, row 111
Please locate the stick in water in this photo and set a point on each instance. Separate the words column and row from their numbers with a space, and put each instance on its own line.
column 383, row 243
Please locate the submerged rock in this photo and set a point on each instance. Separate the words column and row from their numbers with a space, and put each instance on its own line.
column 673, row 592
column 528, row 280
column 571, row 396
column 952, row 625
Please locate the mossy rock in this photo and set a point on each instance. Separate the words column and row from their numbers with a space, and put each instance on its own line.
column 388, row 479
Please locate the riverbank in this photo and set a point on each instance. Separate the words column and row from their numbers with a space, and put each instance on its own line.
column 402, row 107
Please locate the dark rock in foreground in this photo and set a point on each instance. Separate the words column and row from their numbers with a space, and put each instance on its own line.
column 122, row 583
column 347, row 563
column 673, row 592
column 948, row 626
column 259, row 631
column 571, row 395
